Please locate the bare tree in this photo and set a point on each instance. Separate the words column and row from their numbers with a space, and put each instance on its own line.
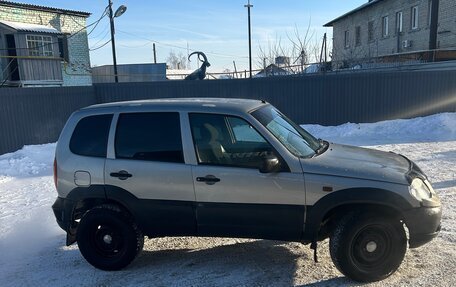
column 300, row 49
column 302, row 45
column 274, row 49
column 315, row 50
column 177, row 61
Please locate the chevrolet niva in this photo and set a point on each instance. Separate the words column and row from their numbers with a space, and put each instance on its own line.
column 233, row 168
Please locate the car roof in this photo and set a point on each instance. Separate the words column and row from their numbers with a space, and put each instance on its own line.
column 182, row 104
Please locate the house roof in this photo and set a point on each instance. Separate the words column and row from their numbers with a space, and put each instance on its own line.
column 362, row 7
column 44, row 8
column 24, row 27
column 272, row 70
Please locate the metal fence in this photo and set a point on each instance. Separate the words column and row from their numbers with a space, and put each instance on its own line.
column 34, row 116
column 37, row 115
column 324, row 99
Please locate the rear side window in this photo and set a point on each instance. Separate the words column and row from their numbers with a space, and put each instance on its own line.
column 90, row 137
column 149, row 136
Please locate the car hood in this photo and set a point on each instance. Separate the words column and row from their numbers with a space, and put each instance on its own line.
column 356, row 162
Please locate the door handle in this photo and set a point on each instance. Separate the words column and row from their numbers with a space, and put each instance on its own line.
column 208, row 179
column 122, row 175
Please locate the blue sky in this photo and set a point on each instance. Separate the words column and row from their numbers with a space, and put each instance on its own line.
column 216, row 27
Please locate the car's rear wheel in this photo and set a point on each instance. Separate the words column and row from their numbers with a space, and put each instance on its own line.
column 108, row 238
column 368, row 247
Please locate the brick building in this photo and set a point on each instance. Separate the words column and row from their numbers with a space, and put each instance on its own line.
column 395, row 31
column 43, row 46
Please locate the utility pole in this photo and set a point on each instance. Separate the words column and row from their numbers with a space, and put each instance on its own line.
column 323, row 50
column 326, row 49
column 235, row 69
column 113, row 43
column 155, row 54
column 248, row 6
column 118, row 13
column 188, row 56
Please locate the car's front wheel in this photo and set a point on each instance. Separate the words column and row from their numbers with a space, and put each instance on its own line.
column 368, row 247
column 108, row 238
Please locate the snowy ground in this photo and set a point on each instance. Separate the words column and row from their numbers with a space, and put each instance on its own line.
column 33, row 251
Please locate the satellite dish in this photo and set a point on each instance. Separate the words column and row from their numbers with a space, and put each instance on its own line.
column 120, row 11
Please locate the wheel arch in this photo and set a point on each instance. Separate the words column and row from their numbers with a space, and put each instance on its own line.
column 86, row 198
column 82, row 199
column 320, row 216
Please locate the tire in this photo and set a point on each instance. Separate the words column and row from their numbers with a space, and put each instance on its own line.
column 367, row 247
column 108, row 238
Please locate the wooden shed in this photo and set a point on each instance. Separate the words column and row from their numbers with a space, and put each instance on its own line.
column 30, row 54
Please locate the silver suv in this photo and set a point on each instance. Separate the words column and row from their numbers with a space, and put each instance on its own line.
column 233, row 168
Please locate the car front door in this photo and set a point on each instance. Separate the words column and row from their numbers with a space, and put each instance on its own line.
column 232, row 197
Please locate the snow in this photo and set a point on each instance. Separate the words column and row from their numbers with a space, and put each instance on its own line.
column 435, row 128
column 33, row 251
column 25, row 27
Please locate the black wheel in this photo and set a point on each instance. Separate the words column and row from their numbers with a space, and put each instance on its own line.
column 108, row 238
column 367, row 247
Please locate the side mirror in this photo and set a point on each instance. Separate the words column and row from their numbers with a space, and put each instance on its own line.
column 270, row 164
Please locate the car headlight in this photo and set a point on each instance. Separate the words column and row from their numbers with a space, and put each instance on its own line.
column 421, row 190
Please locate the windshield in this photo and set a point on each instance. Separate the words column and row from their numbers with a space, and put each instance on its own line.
column 293, row 137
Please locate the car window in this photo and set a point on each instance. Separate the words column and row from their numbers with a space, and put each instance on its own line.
column 226, row 140
column 90, row 137
column 149, row 136
column 243, row 132
column 293, row 137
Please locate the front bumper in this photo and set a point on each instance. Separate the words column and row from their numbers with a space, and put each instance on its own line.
column 424, row 224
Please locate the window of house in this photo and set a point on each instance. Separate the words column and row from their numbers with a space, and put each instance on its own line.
column 415, row 16
column 358, row 36
column 347, row 39
column 385, row 26
column 149, row 137
column 370, row 32
column 399, row 20
column 39, row 45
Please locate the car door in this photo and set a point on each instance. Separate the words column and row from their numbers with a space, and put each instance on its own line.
column 145, row 170
column 233, row 198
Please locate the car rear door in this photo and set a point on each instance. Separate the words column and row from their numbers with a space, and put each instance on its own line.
column 233, row 198
column 145, row 170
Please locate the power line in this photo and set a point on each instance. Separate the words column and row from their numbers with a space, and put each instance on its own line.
column 102, row 38
column 104, row 44
column 133, row 47
column 103, row 32
column 105, row 12
column 97, row 22
column 181, row 47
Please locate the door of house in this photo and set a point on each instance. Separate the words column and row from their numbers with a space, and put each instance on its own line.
column 13, row 67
